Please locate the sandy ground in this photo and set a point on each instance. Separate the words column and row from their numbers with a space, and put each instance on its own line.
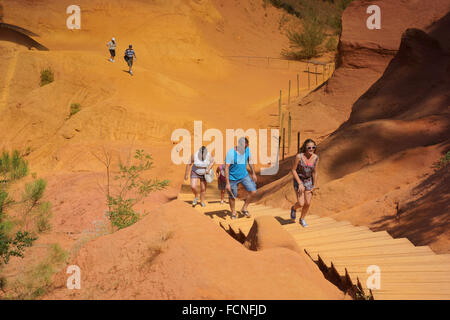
column 184, row 72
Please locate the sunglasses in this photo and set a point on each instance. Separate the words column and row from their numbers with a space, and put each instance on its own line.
column 311, row 148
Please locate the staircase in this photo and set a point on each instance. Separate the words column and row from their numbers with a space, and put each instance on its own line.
column 344, row 251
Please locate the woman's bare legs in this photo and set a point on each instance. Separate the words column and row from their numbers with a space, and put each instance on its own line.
column 307, row 203
column 202, row 190
column 194, row 183
column 300, row 197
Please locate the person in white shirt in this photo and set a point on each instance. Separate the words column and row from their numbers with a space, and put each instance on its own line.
column 112, row 48
column 201, row 163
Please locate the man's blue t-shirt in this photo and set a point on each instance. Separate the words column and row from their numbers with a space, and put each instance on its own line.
column 238, row 163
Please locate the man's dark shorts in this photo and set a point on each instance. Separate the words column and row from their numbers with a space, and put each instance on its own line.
column 113, row 52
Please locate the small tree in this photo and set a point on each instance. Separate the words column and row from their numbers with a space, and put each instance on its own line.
column 132, row 189
column 308, row 41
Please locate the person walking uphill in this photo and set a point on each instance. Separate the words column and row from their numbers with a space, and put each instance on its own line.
column 236, row 173
column 112, row 48
column 129, row 55
column 201, row 162
column 304, row 171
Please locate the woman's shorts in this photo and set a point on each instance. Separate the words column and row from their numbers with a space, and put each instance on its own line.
column 197, row 176
column 307, row 183
column 113, row 52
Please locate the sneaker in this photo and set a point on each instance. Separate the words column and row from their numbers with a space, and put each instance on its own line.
column 203, row 204
column 194, row 202
column 111, row 60
column 131, row 72
column 303, row 223
column 293, row 213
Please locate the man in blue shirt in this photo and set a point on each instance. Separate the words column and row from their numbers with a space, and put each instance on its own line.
column 236, row 172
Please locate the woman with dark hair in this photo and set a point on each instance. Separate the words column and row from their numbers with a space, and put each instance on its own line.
column 304, row 170
column 201, row 162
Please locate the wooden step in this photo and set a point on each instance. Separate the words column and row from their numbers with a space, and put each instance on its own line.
column 362, row 236
column 430, row 267
column 378, row 259
column 387, row 249
column 409, row 296
column 366, row 244
column 322, row 227
column 311, row 223
column 331, row 235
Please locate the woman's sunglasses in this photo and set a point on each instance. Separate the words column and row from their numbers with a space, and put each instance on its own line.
column 311, row 148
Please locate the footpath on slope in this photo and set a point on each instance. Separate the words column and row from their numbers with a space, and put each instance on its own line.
column 345, row 252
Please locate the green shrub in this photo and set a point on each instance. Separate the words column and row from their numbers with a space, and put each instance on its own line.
column 331, row 44
column 308, row 41
column 443, row 161
column 36, row 281
column 324, row 12
column 47, row 77
column 42, row 217
column 74, row 108
column 12, row 166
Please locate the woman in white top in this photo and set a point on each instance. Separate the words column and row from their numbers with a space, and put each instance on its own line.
column 201, row 162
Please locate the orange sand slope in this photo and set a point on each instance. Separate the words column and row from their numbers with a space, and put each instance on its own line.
column 379, row 164
column 182, row 74
column 176, row 253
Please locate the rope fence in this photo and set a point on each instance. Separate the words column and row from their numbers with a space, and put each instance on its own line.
column 317, row 73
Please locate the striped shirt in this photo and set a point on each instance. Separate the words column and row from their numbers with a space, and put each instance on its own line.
column 130, row 53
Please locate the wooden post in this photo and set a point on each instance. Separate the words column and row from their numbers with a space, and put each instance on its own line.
column 284, row 140
column 298, row 85
column 323, row 73
column 298, row 142
column 289, row 132
column 289, row 95
column 268, row 61
column 309, row 85
column 315, row 68
column 279, row 113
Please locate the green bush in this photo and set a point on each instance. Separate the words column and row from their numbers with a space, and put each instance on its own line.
column 443, row 161
column 74, row 108
column 12, row 166
column 331, row 44
column 42, row 217
column 326, row 13
column 36, row 280
column 47, row 77
column 308, row 41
